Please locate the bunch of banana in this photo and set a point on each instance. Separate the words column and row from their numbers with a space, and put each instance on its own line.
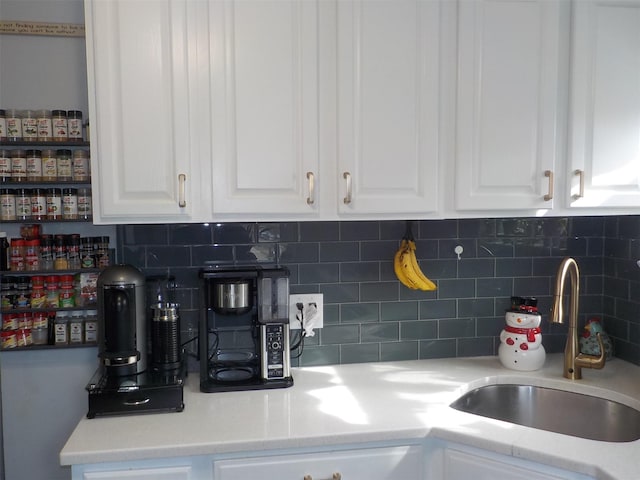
column 407, row 269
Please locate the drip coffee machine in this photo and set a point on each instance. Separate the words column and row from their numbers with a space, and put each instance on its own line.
column 244, row 329
column 126, row 382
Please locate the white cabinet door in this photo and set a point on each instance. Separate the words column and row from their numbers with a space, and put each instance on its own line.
column 605, row 104
column 139, row 54
column 388, row 463
column 264, row 103
column 388, row 99
column 160, row 473
column 508, row 88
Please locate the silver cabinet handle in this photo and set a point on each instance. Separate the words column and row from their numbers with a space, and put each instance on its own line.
column 580, row 193
column 335, row 476
column 182, row 179
column 549, row 195
column 135, row 403
column 347, row 177
column 312, row 187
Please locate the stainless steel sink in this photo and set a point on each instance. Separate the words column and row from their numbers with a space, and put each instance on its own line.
column 554, row 410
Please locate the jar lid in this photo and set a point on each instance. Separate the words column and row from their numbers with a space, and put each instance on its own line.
column 17, row 153
column 74, row 114
column 80, row 153
column 2, row 112
column 13, row 112
column 69, row 191
column 43, row 113
column 64, row 152
column 34, row 153
column 59, row 113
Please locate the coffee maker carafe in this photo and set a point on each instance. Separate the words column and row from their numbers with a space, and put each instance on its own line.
column 122, row 326
column 244, row 329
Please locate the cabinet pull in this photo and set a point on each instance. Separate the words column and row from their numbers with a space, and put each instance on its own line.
column 182, row 179
column 335, row 476
column 549, row 195
column 347, row 177
column 312, row 187
column 580, row 194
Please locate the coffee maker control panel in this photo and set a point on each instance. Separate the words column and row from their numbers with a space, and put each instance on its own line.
column 275, row 347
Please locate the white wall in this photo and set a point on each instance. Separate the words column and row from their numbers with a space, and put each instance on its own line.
column 39, row 71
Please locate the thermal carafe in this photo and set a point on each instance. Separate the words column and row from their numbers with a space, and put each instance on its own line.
column 165, row 337
column 122, row 326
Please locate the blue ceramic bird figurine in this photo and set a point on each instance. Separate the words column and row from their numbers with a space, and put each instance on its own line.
column 589, row 342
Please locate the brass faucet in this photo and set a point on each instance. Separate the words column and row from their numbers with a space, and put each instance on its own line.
column 573, row 360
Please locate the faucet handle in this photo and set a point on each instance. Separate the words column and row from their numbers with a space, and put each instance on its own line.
column 593, row 361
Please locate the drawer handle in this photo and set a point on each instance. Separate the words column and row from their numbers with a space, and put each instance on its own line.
column 580, row 194
column 549, row 195
column 335, row 476
column 347, row 177
column 135, row 403
column 312, row 187
column 182, row 179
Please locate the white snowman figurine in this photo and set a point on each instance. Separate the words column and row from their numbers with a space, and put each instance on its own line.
column 521, row 340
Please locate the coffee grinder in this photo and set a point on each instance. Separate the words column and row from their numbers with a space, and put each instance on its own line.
column 125, row 383
column 244, row 329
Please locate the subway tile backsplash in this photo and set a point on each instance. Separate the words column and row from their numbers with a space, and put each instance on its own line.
column 369, row 316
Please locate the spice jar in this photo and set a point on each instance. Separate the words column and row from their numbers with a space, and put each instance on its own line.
column 70, row 203
column 7, row 204
column 84, row 204
column 38, row 204
column 73, row 251
column 29, row 126
column 32, row 255
column 7, row 293
column 38, row 295
column 102, row 255
column 14, row 125
column 8, row 339
column 91, row 327
column 45, row 127
column 80, row 166
column 23, row 204
column 61, row 328
column 23, row 293
column 60, row 261
column 59, row 125
column 74, row 122
column 10, row 320
column 17, row 255
column 34, row 166
column 49, row 165
column 76, row 330
column 53, row 293
column 86, row 252
column 18, row 165
column 46, row 252
column 65, row 165
column 54, row 203
column 5, row 166
column 3, row 125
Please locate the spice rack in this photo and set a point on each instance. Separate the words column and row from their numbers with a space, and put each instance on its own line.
column 46, row 173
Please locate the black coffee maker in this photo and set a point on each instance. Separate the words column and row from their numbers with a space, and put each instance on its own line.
column 125, row 382
column 244, row 329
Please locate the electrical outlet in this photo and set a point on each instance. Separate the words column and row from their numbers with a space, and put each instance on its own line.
column 308, row 308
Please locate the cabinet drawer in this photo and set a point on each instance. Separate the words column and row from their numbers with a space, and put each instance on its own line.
column 386, row 463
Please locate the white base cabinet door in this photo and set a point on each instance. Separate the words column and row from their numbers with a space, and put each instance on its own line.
column 167, row 473
column 604, row 145
column 141, row 70
column 507, row 103
column 387, row 463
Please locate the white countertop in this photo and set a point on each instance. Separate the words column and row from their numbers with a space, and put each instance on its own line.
column 366, row 402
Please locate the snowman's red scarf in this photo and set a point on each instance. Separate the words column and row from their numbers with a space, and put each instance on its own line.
column 529, row 332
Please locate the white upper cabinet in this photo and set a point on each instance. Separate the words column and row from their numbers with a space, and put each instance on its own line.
column 264, row 107
column 388, row 67
column 604, row 148
column 139, row 63
column 507, row 104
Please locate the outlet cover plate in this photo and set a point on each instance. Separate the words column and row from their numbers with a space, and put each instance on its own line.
column 306, row 299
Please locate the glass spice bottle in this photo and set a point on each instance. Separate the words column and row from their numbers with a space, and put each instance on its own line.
column 60, row 261
column 84, row 204
column 34, row 165
column 5, row 165
column 80, row 166
column 23, row 203
column 59, row 125
column 65, row 165
column 29, row 126
column 70, row 203
column 14, row 125
column 49, row 165
column 3, row 125
column 54, row 203
column 38, row 204
column 18, row 165
column 74, row 123
column 7, row 204
column 46, row 252
column 45, row 127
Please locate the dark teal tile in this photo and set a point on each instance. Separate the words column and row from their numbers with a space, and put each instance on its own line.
column 190, row 234
column 437, row 349
column 144, row 234
column 456, row 328
column 434, row 309
column 398, row 351
column 319, row 273
column 359, row 271
column 338, row 334
column 418, row 330
column 212, row 254
column 340, row 292
column 447, row 248
column 475, row 307
column 378, row 291
column 494, row 287
column 359, row 353
column 380, row 332
column 438, row 229
column 459, row 288
column 319, row 231
column 320, row 355
column 158, row 256
column 378, row 250
column 339, row 251
column 359, row 312
column 395, row 311
column 476, row 268
column 359, row 231
column 514, row 267
column 477, row 227
column 299, row 252
column 475, row 347
column 232, row 233
column 495, row 247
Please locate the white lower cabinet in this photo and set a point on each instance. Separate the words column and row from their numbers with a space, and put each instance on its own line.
column 166, row 473
column 387, row 463
column 448, row 461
